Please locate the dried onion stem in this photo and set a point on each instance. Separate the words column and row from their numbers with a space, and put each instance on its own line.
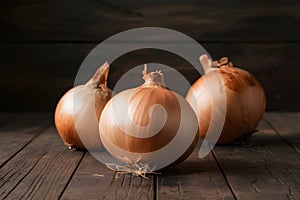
column 136, row 168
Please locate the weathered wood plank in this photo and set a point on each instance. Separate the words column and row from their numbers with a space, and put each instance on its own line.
column 93, row 180
column 40, row 171
column 46, row 71
column 131, row 187
column 269, row 169
column 203, row 20
column 41, row 74
column 19, row 131
column 287, row 125
column 193, row 179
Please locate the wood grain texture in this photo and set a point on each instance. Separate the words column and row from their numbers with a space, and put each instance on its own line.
column 287, row 126
column 40, row 171
column 193, row 179
column 19, row 131
column 91, row 20
column 269, row 169
column 93, row 180
column 45, row 71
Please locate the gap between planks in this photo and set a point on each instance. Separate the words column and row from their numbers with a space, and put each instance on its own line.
column 40, row 170
column 286, row 125
column 19, row 131
column 257, row 179
column 269, row 168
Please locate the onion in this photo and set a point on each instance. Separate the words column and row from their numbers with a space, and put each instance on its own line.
column 149, row 124
column 245, row 100
column 78, row 112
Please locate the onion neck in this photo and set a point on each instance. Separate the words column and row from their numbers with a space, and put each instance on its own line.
column 223, row 62
column 209, row 65
column 155, row 79
column 99, row 80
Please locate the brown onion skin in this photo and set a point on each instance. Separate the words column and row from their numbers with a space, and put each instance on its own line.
column 64, row 112
column 140, row 100
column 242, row 115
column 64, row 117
column 65, row 125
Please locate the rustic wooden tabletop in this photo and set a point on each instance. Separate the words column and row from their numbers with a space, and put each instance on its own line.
column 34, row 164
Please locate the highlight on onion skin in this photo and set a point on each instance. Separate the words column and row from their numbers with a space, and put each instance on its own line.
column 151, row 123
column 78, row 112
column 245, row 100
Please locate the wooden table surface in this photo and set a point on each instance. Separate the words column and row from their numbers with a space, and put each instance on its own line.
column 35, row 164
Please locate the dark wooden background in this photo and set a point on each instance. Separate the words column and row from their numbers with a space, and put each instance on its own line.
column 44, row 42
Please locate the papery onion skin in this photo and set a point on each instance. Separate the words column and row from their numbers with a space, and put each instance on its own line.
column 64, row 117
column 123, row 144
column 245, row 100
